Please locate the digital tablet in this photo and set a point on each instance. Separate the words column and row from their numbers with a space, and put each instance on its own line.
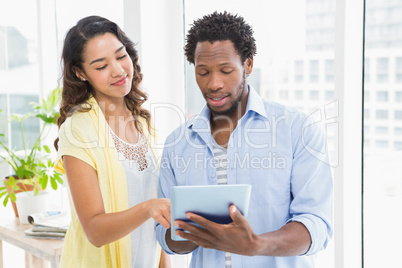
column 210, row 201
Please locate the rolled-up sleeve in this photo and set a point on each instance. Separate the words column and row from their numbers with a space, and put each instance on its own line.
column 312, row 185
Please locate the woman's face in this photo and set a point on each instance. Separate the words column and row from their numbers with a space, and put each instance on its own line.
column 107, row 67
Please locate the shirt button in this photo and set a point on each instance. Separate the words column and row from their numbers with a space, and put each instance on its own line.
column 213, row 175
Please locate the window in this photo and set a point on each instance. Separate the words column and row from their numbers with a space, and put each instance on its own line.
column 381, row 143
column 366, row 70
column 398, row 96
column 382, row 96
column 299, row 94
column 366, row 95
column 382, row 174
column 18, row 58
column 382, row 65
column 329, row 70
column 284, row 94
column 381, row 130
column 329, row 95
column 381, row 114
column 20, row 104
column 314, row 71
column 398, row 131
column 398, row 69
column 3, row 123
column 398, row 115
column 382, row 70
column 314, row 95
column 398, row 145
column 298, row 71
column 366, row 143
column 366, row 114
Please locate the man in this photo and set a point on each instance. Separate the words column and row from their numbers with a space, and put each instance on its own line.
column 274, row 148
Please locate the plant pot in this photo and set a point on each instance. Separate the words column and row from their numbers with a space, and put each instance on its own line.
column 28, row 203
column 22, row 186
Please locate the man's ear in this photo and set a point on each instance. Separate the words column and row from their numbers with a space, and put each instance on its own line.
column 80, row 74
column 248, row 65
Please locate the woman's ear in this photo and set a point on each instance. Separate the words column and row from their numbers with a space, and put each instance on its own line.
column 248, row 65
column 80, row 74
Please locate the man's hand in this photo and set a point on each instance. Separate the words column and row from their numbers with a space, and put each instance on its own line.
column 236, row 237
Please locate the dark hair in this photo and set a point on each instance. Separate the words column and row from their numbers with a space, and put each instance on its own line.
column 221, row 27
column 76, row 92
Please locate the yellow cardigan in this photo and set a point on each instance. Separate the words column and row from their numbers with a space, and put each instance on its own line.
column 86, row 136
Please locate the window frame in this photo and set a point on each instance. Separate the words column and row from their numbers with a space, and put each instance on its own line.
column 348, row 177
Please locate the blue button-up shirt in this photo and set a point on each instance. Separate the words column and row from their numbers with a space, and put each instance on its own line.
column 281, row 152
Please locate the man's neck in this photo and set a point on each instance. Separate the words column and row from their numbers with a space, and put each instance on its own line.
column 223, row 125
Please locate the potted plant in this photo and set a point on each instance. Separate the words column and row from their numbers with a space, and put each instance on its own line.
column 33, row 166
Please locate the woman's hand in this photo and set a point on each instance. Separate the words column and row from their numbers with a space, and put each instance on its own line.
column 159, row 210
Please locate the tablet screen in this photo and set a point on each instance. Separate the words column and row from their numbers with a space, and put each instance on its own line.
column 210, row 201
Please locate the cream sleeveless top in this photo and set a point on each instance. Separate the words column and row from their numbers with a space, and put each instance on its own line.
column 142, row 175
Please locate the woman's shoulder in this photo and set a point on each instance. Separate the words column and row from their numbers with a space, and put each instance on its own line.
column 79, row 122
column 78, row 117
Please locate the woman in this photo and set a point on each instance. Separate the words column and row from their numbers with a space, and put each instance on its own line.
column 104, row 151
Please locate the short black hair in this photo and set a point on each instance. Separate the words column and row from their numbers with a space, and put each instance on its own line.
column 221, row 27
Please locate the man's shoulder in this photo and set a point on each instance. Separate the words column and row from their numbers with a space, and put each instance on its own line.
column 179, row 131
column 273, row 108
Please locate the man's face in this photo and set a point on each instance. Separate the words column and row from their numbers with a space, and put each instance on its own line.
column 220, row 75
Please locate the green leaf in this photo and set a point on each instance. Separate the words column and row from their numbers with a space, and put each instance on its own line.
column 48, row 119
column 35, row 163
column 43, row 181
column 58, row 178
column 53, row 183
column 5, row 201
column 20, row 117
column 46, row 110
column 12, row 196
column 3, row 193
column 11, row 180
column 42, row 165
column 46, row 149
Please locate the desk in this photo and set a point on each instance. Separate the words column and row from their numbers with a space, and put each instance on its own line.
column 37, row 251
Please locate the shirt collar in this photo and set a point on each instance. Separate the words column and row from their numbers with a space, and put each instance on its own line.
column 255, row 103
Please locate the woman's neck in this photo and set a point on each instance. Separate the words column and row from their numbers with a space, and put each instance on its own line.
column 119, row 118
